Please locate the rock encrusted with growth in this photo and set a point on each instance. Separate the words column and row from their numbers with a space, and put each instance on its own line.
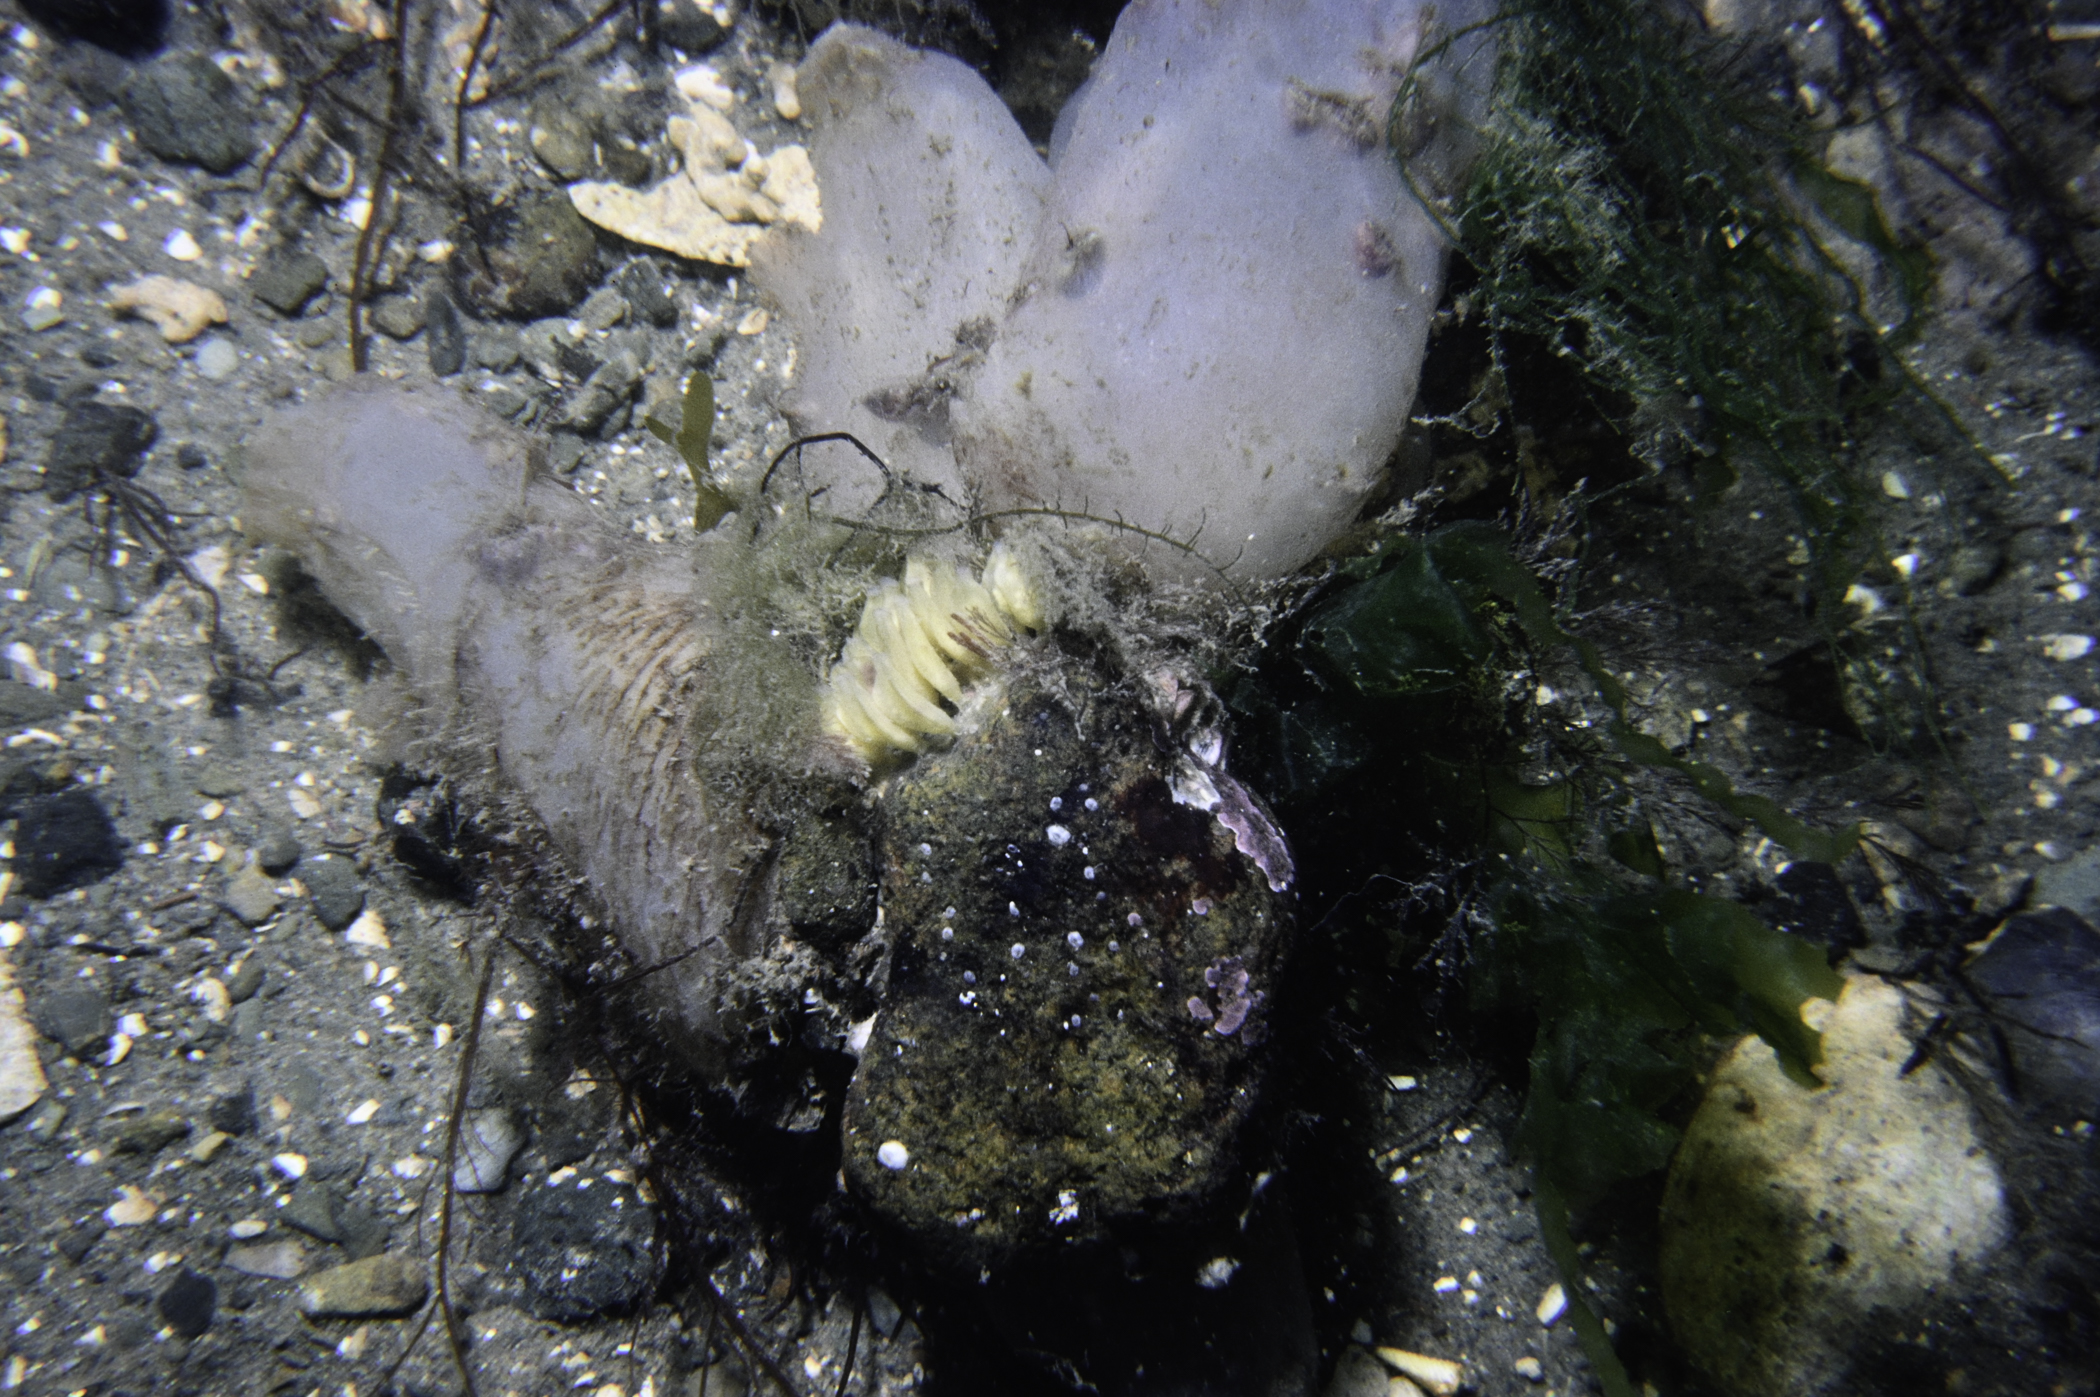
column 1036, row 1074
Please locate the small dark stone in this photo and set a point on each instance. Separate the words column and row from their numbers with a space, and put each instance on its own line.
column 300, row 1085
column 278, row 851
column 150, row 1134
column 540, row 261
column 2039, row 976
column 189, row 1303
column 561, row 137
column 184, row 109
column 192, row 457
column 219, row 782
column 447, row 345
column 496, row 348
column 400, row 317
column 130, row 27
column 79, row 1241
column 1811, row 902
column 288, row 279
column 648, row 293
column 234, row 1112
column 243, row 984
column 313, row 1210
column 22, row 704
column 336, row 894
column 363, row 1234
column 96, row 437
column 688, row 28
column 582, row 1251
column 75, row 1014
column 65, row 841
column 100, row 354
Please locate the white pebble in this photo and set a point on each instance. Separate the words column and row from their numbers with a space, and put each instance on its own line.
column 2062, row 648
column 217, row 359
column 1552, row 1304
column 181, row 246
column 43, row 309
column 891, row 1154
column 1058, row 836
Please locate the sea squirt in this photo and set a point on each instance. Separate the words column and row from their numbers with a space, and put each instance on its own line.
column 1028, row 1045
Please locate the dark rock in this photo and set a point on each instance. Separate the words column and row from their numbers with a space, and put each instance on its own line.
column 300, row 1085
column 2040, row 976
column 129, row 27
column 1811, row 902
column 234, row 1112
column 149, row 1134
column 278, row 851
column 184, row 109
column 648, row 293
column 188, row 1303
column 101, row 354
column 96, row 438
column 192, row 457
column 65, row 841
column 288, row 279
column 23, row 704
column 1026, row 1028
column 333, row 883
column 242, row 985
column 609, row 388
column 624, row 163
column 313, row 1211
column 582, row 1251
column 76, row 1243
column 685, row 26
column 400, row 317
column 540, row 256
column 562, row 138
column 504, row 400
column 447, row 345
column 363, row 1234
column 496, row 348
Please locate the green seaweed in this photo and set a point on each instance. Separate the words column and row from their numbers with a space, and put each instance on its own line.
column 691, row 440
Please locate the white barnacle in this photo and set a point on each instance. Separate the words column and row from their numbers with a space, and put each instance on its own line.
column 902, row 673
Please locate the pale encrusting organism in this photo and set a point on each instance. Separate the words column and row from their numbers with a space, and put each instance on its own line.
column 1202, row 319
column 917, row 645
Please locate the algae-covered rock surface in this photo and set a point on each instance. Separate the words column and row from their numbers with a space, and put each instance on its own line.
column 1071, row 1041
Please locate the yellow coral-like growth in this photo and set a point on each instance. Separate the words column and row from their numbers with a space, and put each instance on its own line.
column 917, row 645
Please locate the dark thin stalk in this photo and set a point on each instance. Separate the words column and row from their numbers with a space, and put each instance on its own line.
column 382, row 187
column 466, row 83
column 452, row 1130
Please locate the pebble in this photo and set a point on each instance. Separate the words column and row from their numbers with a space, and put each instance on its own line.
column 234, row 1113
column 377, row 1286
column 279, row 1261
column 76, row 1015
column 292, row 1166
column 603, row 309
column 314, row 1210
column 65, row 841
column 562, row 138
column 1529, row 1369
column 278, row 851
column 447, row 345
column 1437, row 1376
column 22, row 1081
column 43, row 308
column 495, row 348
column 1553, row 1303
column 288, row 279
column 96, row 438
column 883, row 1312
column 608, row 388
column 648, row 293
column 181, row 246
column 219, row 782
column 185, row 110
column 337, row 896
column 488, row 1144
column 687, row 26
column 368, row 930
column 582, row 1250
column 150, row 1134
column 892, row 1154
column 401, row 317
column 134, row 1208
column 541, row 261
column 217, row 359
column 188, row 1303
column 242, row 984
column 250, row 895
